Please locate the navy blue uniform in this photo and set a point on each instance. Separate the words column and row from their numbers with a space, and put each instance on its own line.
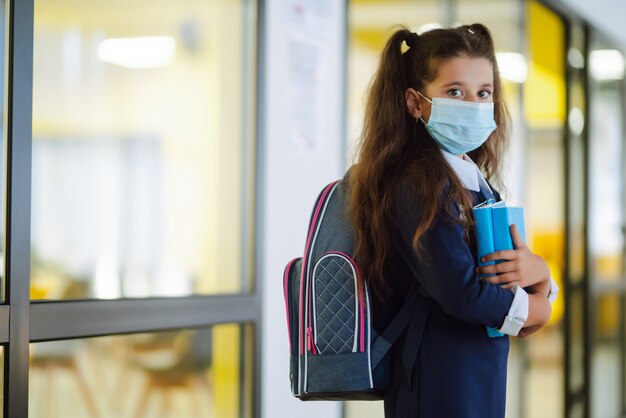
column 460, row 372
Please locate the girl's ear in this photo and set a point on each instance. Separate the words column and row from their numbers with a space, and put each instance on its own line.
column 413, row 103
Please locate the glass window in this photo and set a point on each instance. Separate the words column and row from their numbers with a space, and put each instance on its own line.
column 143, row 148
column 606, row 222
column 606, row 164
column 188, row 373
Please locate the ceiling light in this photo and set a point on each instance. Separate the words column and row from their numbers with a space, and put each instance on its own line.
column 140, row 52
column 606, row 64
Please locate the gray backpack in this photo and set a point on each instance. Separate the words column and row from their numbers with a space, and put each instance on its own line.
column 335, row 352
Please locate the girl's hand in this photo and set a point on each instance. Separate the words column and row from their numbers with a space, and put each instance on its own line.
column 521, row 267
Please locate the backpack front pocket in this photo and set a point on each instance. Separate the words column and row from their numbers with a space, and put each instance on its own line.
column 338, row 309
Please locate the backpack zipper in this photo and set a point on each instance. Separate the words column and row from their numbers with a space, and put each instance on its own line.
column 304, row 282
column 359, row 321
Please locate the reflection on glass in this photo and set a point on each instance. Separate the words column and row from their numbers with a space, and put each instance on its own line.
column 606, row 181
column 178, row 374
column 606, row 390
column 142, row 151
column 576, row 174
column 606, row 229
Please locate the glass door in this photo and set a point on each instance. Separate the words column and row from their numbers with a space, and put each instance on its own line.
column 607, row 283
column 575, row 290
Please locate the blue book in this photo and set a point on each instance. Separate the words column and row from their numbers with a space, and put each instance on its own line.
column 493, row 221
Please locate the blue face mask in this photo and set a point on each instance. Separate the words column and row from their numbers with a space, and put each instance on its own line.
column 459, row 126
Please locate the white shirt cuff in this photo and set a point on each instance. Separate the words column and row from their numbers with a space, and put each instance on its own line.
column 518, row 313
column 554, row 291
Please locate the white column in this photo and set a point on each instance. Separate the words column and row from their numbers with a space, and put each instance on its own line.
column 301, row 149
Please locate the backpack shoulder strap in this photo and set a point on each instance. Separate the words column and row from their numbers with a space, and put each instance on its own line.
column 413, row 311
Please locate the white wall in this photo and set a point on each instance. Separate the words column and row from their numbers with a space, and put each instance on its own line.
column 301, row 150
column 606, row 15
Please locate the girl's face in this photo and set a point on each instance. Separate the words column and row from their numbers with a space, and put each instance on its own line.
column 459, row 78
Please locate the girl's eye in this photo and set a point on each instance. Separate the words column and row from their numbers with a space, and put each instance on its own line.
column 455, row 92
column 483, row 94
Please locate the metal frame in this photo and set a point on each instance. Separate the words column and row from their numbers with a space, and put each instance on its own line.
column 90, row 318
column 260, row 195
column 23, row 322
column 17, row 202
column 566, row 247
column 586, row 282
column 573, row 396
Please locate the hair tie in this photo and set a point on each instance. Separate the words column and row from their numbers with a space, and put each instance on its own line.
column 412, row 39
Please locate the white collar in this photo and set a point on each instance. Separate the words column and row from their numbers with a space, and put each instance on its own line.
column 467, row 171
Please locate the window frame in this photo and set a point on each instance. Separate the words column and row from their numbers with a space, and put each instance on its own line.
column 36, row 321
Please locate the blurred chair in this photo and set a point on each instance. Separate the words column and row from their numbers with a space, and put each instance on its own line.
column 170, row 361
column 52, row 359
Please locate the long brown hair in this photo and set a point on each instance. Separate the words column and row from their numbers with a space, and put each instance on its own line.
column 394, row 149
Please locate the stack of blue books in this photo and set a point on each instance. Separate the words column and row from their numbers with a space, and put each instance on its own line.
column 493, row 221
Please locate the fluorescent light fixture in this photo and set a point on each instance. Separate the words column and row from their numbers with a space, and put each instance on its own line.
column 606, row 64
column 139, row 52
column 513, row 66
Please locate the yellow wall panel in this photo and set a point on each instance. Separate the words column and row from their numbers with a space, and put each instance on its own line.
column 226, row 349
column 545, row 86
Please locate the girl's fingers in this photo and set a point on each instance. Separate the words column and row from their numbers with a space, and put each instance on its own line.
column 504, row 267
column 518, row 242
column 500, row 255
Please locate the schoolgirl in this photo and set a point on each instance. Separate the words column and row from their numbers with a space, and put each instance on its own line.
column 434, row 133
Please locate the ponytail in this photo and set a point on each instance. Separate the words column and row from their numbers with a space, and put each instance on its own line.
column 388, row 136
